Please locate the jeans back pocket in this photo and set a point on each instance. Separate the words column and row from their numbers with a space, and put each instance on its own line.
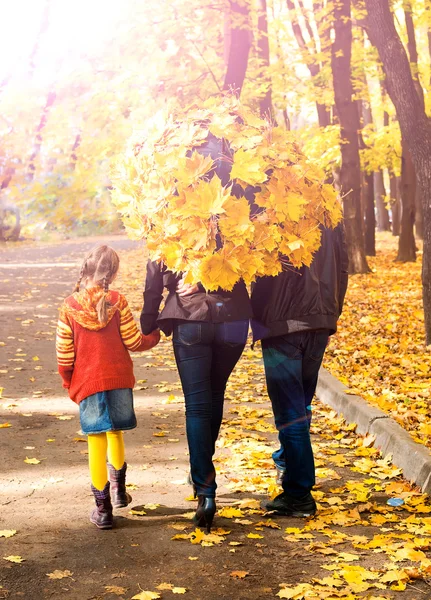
column 235, row 332
column 188, row 334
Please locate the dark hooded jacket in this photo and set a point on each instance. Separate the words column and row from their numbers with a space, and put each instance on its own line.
column 303, row 299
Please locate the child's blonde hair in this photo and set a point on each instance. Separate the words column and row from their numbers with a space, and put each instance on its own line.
column 101, row 265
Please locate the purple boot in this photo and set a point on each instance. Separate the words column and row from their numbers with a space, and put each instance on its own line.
column 102, row 515
column 120, row 498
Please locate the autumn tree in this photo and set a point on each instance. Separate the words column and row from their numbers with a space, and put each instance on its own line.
column 237, row 43
column 415, row 124
column 347, row 112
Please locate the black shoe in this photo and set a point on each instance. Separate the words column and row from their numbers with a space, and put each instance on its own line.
column 283, row 504
column 205, row 512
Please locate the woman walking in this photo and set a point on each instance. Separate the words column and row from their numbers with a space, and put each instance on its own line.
column 209, row 334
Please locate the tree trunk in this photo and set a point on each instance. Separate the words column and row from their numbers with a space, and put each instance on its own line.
column 265, row 103
column 350, row 173
column 238, row 43
column 394, row 183
column 414, row 123
column 38, row 140
column 383, row 223
column 413, row 55
column 419, row 216
column 406, row 243
column 370, row 216
column 314, row 67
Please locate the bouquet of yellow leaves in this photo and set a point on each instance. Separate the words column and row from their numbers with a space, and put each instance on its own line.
column 220, row 194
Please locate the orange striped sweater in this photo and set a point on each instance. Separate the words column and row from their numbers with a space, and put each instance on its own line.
column 93, row 357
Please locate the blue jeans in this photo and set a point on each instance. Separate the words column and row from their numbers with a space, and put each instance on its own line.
column 292, row 364
column 206, row 354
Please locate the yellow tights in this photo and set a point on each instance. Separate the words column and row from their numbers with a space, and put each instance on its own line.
column 110, row 443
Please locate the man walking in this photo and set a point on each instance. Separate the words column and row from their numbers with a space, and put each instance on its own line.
column 294, row 315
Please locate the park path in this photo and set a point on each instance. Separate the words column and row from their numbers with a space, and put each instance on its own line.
column 46, row 500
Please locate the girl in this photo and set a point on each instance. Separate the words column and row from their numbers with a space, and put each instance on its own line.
column 95, row 333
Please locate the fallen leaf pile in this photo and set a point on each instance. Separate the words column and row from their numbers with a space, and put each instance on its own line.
column 379, row 351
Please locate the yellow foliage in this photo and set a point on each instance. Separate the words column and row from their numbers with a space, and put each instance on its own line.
column 198, row 225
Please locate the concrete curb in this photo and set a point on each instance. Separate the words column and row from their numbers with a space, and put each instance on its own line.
column 413, row 458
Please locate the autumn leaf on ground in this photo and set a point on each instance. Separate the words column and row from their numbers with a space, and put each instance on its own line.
column 115, row 589
column 59, row 574
column 6, row 533
column 14, row 559
column 5, row 425
column 164, row 586
column 145, row 595
column 179, row 590
column 229, row 512
column 295, row 592
column 31, row 461
column 239, row 574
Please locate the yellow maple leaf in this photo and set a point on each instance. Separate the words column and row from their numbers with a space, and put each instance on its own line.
column 197, row 536
column 179, row 590
column 408, row 554
column 146, row 595
column 219, row 270
column 190, row 168
column 14, row 559
column 296, row 592
column 31, row 461
column 235, row 224
column 205, row 199
column 248, row 168
column 229, row 512
column 7, row 533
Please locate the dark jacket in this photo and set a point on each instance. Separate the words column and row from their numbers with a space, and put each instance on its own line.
column 214, row 307
column 303, row 299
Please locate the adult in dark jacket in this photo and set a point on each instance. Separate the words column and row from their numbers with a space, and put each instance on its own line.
column 209, row 334
column 294, row 314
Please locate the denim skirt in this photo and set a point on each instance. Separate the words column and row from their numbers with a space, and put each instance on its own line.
column 107, row 411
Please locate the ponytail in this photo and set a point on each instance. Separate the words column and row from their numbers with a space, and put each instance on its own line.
column 101, row 266
column 102, row 305
column 81, row 275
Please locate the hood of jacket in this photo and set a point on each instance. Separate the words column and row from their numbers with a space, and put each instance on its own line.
column 82, row 307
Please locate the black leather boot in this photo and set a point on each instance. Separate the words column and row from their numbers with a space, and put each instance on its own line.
column 102, row 515
column 205, row 512
column 120, row 497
